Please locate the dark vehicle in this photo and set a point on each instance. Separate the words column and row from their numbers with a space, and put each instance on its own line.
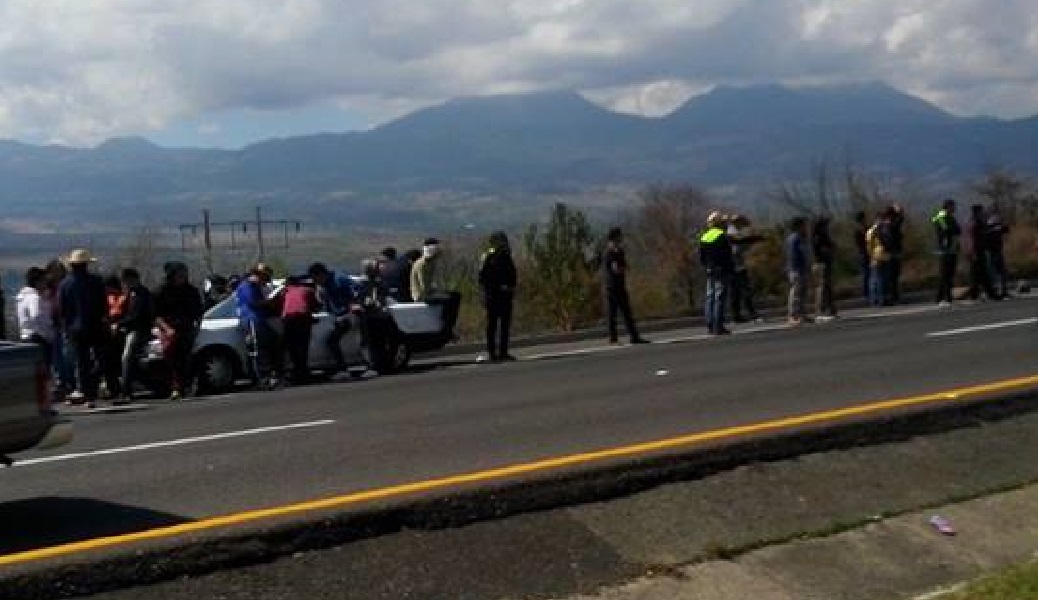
column 26, row 419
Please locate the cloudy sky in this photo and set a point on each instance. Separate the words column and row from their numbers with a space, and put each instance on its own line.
column 227, row 72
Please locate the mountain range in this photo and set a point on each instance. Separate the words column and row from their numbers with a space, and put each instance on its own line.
column 517, row 146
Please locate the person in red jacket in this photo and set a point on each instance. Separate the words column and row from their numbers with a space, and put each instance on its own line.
column 297, row 316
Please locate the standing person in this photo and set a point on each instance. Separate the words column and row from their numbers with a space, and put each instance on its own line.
column 994, row 247
column 897, row 244
column 255, row 309
column 824, row 252
column 135, row 326
column 614, row 265
column 83, row 308
column 391, row 271
column 715, row 253
column 178, row 313
column 980, row 280
column 36, row 313
column 407, row 262
column 297, row 316
column 115, row 343
column 796, row 269
column 427, row 285
column 879, row 241
column 64, row 370
column 861, row 231
column 742, row 290
column 498, row 278
column 947, row 230
column 336, row 293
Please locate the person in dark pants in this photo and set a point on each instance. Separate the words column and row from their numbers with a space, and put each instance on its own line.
column 980, row 280
column 824, row 252
column 255, row 309
column 498, row 278
column 947, row 230
column 178, row 313
column 796, row 269
column 715, row 253
column 861, row 231
column 897, row 245
column 83, row 308
column 297, row 317
column 336, row 294
column 135, row 326
column 994, row 247
column 742, row 239
column 116, row 298
column 614, row 266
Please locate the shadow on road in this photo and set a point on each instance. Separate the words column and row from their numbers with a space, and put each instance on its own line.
column 44, row 522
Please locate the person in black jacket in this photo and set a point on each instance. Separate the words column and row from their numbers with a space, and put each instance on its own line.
column 824, row 252
column 83, row 307
column 715, row 252
column 614, row 267
column 178, row 312
column 497, row 278
column 135, row 325
column 947, row 230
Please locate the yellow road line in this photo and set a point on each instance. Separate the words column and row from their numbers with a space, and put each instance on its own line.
column 518, row 469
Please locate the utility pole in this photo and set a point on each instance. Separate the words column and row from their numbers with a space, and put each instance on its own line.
column 234, row 228
column 259, row 234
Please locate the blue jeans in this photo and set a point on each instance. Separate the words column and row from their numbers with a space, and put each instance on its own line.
column 716, row 300
column 879, row 283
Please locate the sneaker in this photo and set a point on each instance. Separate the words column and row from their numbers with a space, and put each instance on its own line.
column 75, row 397
column 175, row 396
column 614, row 342
column 944, row 304
column 758, row 319
column 484, row 358
column 796, row 321
column 640, row 340
column 824, row 318
column 723, row 331
column 506, row 357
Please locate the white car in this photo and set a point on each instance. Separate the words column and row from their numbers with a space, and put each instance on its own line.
column 221, row 353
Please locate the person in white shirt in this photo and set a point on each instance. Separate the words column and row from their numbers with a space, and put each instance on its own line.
column 36, row 312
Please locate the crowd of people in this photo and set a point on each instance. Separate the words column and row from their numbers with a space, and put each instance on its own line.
column 94, row 329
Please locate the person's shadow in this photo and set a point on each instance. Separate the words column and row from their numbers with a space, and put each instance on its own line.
column 44, row 522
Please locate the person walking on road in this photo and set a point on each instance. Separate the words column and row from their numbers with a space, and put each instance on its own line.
column 178, row 313
column 614, row 275
column 135, row 326
column 497, row 279
column 715, row 253
column 796, row 269
column 742, row 239
column 824, row 253
column 83, row 308
column 980, row 280
column 994, row 246
column 947, row 230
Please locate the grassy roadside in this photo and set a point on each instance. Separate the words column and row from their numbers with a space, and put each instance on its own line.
column 1016, row 583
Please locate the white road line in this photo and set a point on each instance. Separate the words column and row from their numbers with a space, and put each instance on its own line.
column 894, row 313
column 1002, row 325
column 166, row 444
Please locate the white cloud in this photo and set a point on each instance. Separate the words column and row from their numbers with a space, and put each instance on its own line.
column 85, row 70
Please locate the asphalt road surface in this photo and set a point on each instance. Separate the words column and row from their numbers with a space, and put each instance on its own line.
column 173, row 463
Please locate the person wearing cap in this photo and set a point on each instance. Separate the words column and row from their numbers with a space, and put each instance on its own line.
column 178, row 314
column 255, row 309
column 715, row 253
column 83, row 307
column 614, row 267
column 742, row 240
column 497, row 279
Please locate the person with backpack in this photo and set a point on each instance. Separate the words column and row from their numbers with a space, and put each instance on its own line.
column 135, row 326
column 497, row 279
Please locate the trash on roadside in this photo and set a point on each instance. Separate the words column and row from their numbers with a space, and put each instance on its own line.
column 942, row 525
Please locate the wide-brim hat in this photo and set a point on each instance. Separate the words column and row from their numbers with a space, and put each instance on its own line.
column 80, row 256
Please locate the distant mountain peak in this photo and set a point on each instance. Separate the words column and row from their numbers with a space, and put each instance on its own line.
column 127, row 143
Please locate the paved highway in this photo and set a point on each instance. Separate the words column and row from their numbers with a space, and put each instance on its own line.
column 174, row 463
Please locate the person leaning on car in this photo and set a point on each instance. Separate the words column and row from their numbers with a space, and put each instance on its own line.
column 336, row 293
column 255, row 310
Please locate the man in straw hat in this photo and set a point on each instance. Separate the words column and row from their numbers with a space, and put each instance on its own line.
column 83, row 307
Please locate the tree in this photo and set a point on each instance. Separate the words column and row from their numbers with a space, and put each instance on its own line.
column 560, row 264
